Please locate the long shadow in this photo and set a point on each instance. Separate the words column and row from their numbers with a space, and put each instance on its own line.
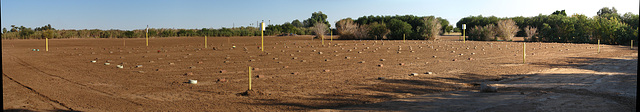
column 573, row 86
column 321, row 101
column 27, row 110
column 419, row 86
column 413, row 86
column 589, row 63
column 389, row 88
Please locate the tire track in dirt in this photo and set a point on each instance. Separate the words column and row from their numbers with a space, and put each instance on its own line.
column 38, row 93
column 29, row 66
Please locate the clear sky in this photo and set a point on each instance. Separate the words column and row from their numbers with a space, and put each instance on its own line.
column 196, row 14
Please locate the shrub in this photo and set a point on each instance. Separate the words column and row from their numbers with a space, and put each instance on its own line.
column 507, row 29
column 347, row 29
column 350, row 30
column 431, row 28
column 320, row 30
column 531, row 32
column 483, row 33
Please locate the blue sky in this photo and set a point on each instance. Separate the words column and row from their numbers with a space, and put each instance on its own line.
column 196, row 14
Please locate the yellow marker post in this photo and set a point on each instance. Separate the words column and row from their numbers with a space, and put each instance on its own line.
column 598, row 45
column 463, row 37
column 262, row 48
column 205, row 41
column 249, row 77
column 524, row 53
column 403, row 39
column 331, row 33
column 464, row 26
column 631, row 44
column 46, row 43
column 124, row 43
column 147, row 35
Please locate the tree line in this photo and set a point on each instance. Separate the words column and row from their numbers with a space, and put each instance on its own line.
column 393, row 27
column 608, row 26
column 47, row 31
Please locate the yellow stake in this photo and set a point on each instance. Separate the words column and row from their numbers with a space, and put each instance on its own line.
column 598, row 45
column 322, row 37
column 262, row 36
column 463, row 38
column 631, row 44
column 331, row 32
column 403, row 39
column 124, row 43
column 249, row 77
column 524, row 52
column 147, row 36
column 205, row 41
column 47, row 43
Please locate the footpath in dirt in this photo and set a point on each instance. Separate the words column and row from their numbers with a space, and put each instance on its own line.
column 607, row 85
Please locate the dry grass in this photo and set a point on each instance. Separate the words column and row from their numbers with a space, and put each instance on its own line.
column 507, row 29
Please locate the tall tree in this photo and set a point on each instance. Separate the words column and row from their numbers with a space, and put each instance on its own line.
column 297, row 23
column 398, row 28
column 562, row 13
column 378, row 30
column 443, row 23
column 606, row 10
column 608, row 13
column 317, row 17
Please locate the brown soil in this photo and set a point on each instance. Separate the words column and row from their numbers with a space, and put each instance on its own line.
column 294, row 75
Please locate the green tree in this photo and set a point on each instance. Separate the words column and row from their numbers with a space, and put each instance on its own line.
column 317, row 17
column 25, row 32
column 607, row 10
column 378, row 30
column 444, row 23
column 14, row 28
column 631, row 19
column 129, row 34
column 398, row 29
column 562, row 13
column 297, row 23
column 448, row 29
column 608, row 13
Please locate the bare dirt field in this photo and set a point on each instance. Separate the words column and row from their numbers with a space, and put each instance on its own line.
column 293, row 73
